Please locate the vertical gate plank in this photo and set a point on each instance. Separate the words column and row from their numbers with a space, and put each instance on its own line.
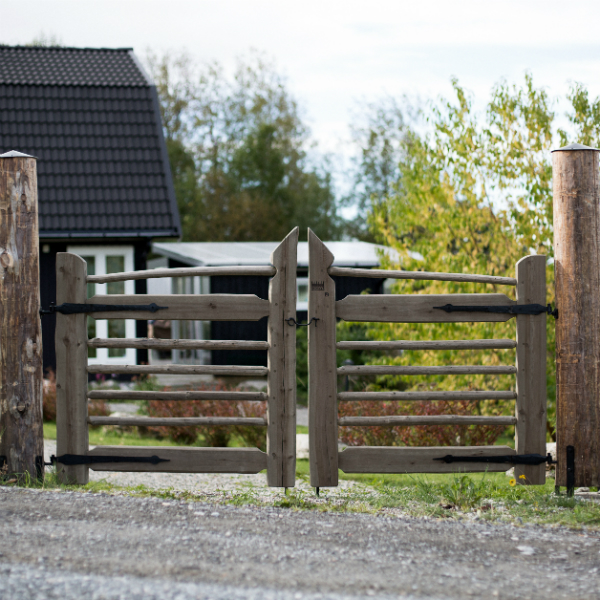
column 322, row 367
column 71, row 368
column 281, row 433
column 530, row 434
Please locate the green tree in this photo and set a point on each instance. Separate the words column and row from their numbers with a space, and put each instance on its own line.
column 474, row 195
column 239, row 153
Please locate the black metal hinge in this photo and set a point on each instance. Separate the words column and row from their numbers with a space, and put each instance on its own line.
column 67, row 308
column 515, row 459
column 82, row 459
column 512, row 309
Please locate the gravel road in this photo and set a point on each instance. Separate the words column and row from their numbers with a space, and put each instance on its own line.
column 81, row 545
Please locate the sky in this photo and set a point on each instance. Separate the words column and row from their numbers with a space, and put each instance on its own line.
column 338, row 53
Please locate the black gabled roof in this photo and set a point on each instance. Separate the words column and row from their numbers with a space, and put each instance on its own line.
column 92, row 119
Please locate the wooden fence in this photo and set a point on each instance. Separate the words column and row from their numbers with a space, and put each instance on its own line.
column 530, row 370
column 73, row 369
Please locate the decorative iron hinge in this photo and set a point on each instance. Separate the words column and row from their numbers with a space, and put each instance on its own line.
column 515, row 459
column 79, row 459
column 512, row 309
column 67, row 308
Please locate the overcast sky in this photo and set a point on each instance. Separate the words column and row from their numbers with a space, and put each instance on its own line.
column 335, row 53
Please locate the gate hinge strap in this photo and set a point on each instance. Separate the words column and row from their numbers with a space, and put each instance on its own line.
column 511, row 309
column 82, row 459
column 67, row 308
column 515, row 459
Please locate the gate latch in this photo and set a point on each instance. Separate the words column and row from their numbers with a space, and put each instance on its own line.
column 291, row 322
column 511, row 309
column 67, row 308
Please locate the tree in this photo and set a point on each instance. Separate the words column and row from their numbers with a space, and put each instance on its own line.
column 239, row 153
column 474, row 195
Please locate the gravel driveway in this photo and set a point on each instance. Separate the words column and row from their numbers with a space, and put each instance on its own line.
column 82, row 545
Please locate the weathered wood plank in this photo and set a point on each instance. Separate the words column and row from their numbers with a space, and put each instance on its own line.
column 189, row 395
column 422, row 396
column 281, row 389
column 410, row 421
column 376, row 459
column 215, row 370
column 176, row 421
column 208, row 307
column 419, row 308
column 421, row 275
column 21, row 434
column 164, row 344
column 71, row 368
column 429, row 345
column 322, row 397
column 449, row 370
column 184, row 460
column 576, row 195
column 530, row 409
column 250, row 271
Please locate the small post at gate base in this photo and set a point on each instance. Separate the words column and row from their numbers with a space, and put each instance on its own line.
column 576, row 194
column 71, row 368
column 21, row 376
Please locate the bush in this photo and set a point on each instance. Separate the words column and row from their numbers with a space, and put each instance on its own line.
column 96, row 408
column 216, row 437
column 420, row 435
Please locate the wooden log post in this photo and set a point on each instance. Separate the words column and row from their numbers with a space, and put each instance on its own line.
column 281, row 388
column 21, row 377
column 530, row 430
column 71, row 368
column 322, row 367
column 577, row 280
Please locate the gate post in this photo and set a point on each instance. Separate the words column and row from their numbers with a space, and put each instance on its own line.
column 71, row 368
column 577, row 274
column 21, row 377
column 281, row 388
column 322, row 367
column 530, row 430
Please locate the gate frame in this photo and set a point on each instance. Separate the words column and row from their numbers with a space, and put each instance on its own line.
column 530, row 395
column 71, row 340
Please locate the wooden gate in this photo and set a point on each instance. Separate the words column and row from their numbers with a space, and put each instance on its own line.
column 530, row 370
column 74, row 457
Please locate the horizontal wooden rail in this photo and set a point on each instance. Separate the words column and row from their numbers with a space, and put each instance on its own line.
column 216, row 370
column 251, row 271
column 175, row 421
column 206, row 307
column 449, row 370
column 420, row 275
column 164, row 344
column 377, row 459
column 419, row 308
column 186, row 395
column 424, row 420
column 184, row 460
column 422, row 396
column 432, row 345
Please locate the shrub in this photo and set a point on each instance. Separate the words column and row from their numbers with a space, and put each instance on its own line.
column 215, row 436
column 420, row 435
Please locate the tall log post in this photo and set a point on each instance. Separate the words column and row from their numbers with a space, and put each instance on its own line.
column 577, row 274
column 21, row 377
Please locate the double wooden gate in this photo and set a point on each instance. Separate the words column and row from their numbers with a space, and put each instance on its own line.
column 75, row 457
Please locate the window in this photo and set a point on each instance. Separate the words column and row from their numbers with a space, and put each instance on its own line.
column 102, row 260
column 302, row 293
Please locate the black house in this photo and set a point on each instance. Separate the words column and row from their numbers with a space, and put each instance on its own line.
column 91, row 117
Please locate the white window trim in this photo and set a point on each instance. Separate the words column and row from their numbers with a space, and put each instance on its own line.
column 100, row 253
column 301, row 305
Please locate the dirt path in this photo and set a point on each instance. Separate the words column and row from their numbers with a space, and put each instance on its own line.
column 119, row 546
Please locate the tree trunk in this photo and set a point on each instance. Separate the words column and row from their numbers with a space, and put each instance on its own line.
column 22, row 439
